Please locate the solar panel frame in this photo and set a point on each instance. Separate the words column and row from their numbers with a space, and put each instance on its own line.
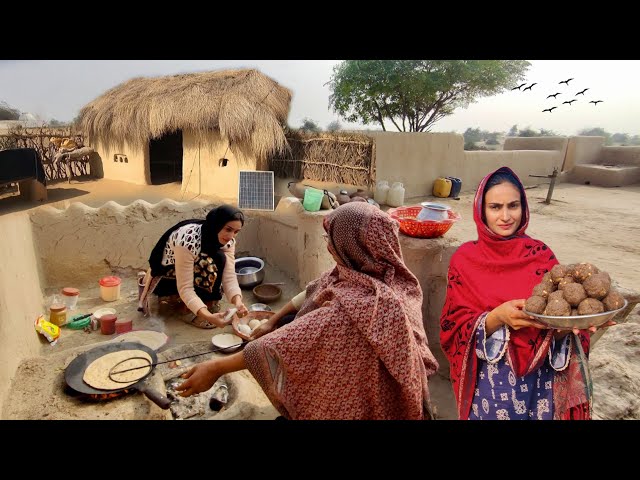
column 255, row 190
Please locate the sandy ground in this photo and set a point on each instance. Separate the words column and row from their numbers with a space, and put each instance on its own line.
column 583, row 223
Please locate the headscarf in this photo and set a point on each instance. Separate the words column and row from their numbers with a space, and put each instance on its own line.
column 215, row 221
column 357, row 348
column 484, row 274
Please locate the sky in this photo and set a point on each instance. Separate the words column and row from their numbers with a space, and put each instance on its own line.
column 58, row 89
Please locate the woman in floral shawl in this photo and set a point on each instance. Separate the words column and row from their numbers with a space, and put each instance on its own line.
column 505, row 365
column 357, row 348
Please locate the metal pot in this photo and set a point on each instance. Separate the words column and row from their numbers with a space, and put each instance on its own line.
column 249, row 271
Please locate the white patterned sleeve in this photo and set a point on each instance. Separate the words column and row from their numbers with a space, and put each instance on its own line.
column 492, row 348
column 184, row 279
column 560, row 352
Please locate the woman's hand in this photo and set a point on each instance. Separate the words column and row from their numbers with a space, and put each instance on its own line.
column 237, row 302
column 510, row 313
column 216, row 319
column 199, row 379
column 264, row 328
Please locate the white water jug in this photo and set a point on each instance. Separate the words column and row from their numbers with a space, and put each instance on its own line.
column 395, row 197
column 382, row 190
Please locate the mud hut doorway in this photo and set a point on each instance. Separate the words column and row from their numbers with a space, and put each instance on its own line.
column 165, row 158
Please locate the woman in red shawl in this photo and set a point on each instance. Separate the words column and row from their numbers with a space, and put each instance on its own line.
column 505, row 365
column 357, row 348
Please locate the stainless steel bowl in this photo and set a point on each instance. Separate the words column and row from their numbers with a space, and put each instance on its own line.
column 577, row 321
column 249, row 271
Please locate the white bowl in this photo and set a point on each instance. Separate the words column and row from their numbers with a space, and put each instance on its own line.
column 226, row 342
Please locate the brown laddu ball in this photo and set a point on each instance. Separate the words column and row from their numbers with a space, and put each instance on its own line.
column 547, row 277
column 574, row 293
column 543, row 289
column 590, row 306
column 558, row 294
column 558, row 272
column 597, row 285
column 612, row 301
column 582, row 271
column 574, row 312
column 558, row 307
column 565, row 281
column 535, row 304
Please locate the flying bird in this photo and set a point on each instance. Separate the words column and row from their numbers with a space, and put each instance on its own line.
column 596, row 102
column 518, row 87
column 570, row 101
column 566, row 82
column 582, row 92
column 550, row 110
column 554, row 95
column 529, row 87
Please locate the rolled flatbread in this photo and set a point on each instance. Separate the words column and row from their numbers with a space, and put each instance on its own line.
column 97, row 373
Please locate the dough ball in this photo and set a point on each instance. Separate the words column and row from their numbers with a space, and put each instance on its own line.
column 535, row 304
column 558, row 272
column 582, row 271
column 565, row 281
column 590, row 306
column 253, row 324
column 612, row 301
column 574, row 293
column 542, row 290
column 557, row 295
column 597, row 285
column 558, row 307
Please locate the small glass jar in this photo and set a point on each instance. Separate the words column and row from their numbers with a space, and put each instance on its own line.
column 58, row 314
column 70, row 296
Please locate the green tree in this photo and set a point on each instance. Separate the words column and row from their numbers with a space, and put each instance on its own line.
column 334, row 126
column 596, row 132
column 472, row 135
column 620, row 138
column 547, row 133
column 7, row 112
column 528, row 132
column 414, row 94
column 56, row 123
column 635, row 140
column 513, row 132
column 309, row 125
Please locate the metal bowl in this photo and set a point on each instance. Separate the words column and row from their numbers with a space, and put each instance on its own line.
column 581, row 322
column 249, row 271
column 260, row 307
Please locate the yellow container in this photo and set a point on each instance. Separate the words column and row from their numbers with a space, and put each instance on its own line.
column 442, row 187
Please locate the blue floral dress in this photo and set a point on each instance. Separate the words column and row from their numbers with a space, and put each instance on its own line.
column 499, row 394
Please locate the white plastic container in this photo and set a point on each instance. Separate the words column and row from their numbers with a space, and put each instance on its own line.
column 382, row 190
column 395, row 197
column 110, row 288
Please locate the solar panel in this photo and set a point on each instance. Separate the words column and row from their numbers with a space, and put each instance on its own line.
column 255, row 190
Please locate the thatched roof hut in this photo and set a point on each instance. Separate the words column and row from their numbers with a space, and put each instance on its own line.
column 245, row 106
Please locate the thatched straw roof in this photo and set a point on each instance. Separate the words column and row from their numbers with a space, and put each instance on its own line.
column 247, row 107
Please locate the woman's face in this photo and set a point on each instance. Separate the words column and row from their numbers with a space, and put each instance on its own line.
column 503, row 209
column 331, row 250
column 229, row 231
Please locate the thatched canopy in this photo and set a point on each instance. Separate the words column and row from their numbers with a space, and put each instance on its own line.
column 247, row 107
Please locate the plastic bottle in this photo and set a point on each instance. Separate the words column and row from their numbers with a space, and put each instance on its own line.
column 395, row 197
column 381, row 193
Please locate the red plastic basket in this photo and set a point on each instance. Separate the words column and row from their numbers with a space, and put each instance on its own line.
column 406, row 217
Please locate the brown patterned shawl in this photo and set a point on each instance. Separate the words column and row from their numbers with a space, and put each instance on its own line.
column 357, row 348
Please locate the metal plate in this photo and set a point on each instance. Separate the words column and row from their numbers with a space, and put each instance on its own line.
column 581, row 322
